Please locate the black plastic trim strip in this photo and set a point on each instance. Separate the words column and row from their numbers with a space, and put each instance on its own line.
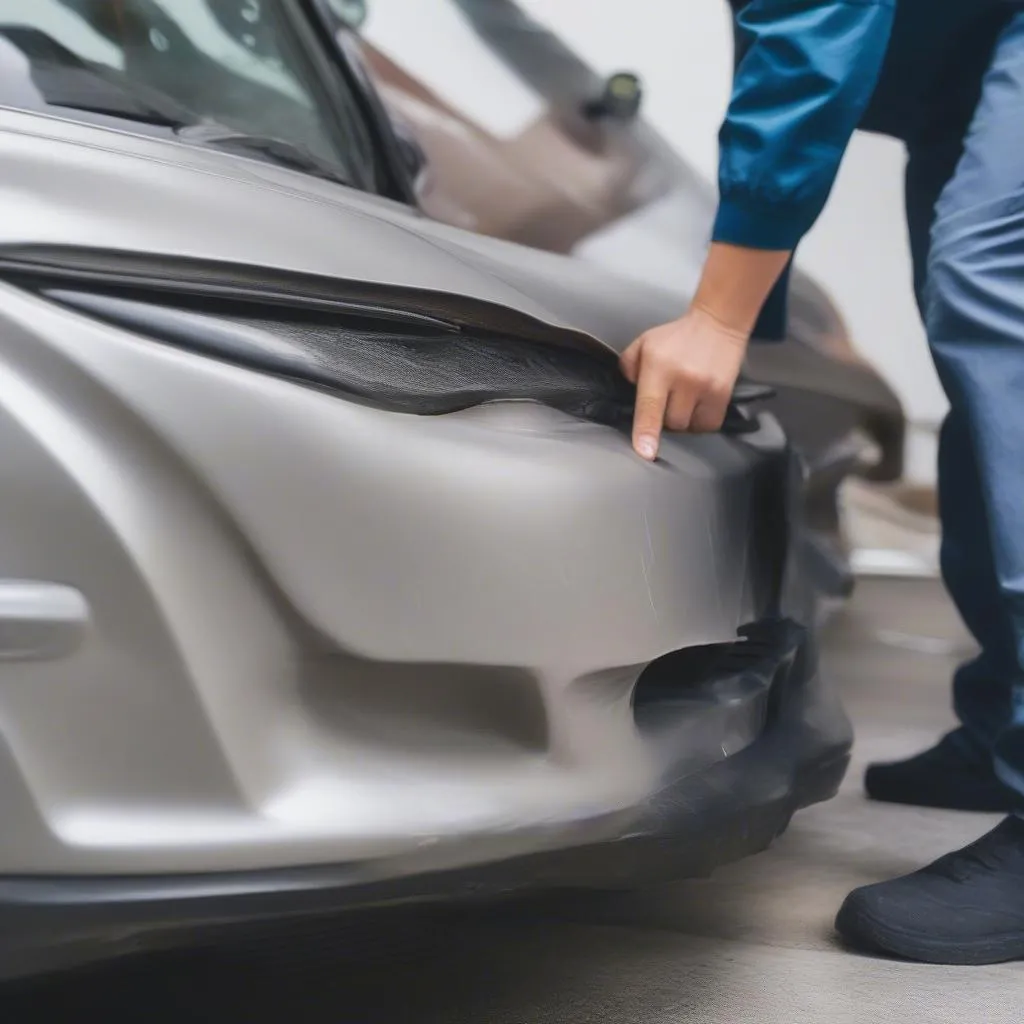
column 39, row 266
column 173, row 279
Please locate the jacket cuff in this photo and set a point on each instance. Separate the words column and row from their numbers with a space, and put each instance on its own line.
column 778, row 226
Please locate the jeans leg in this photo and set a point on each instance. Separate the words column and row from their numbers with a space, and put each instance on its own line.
column 975, row 319
column 982, row 688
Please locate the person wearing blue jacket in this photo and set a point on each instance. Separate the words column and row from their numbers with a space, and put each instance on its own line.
column 947, row 78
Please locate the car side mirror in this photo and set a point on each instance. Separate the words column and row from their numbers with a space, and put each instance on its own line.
column 620, row 99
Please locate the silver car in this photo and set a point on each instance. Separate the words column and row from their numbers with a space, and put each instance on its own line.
column 329, row 575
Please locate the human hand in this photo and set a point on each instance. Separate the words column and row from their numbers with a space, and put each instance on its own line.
column 684, row 372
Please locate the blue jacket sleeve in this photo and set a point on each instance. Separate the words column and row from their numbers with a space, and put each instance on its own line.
column 806, row 73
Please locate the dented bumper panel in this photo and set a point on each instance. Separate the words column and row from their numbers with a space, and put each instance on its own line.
column 318, row 631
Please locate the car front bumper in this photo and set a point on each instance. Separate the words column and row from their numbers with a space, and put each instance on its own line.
column 692, row 824
column 322, row 654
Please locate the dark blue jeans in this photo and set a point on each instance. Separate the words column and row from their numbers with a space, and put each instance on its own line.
column 965, row 211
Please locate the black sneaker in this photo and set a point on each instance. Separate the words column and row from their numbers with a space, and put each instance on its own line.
column 966, row 908
column 952, row 774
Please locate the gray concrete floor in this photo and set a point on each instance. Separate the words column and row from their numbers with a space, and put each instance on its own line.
column 752, row 944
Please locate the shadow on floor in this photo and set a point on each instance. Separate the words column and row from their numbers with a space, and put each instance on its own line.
column 492, row 964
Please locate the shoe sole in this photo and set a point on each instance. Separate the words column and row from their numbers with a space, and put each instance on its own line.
column 862, row 931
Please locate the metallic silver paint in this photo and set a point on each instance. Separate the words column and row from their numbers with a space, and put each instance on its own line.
column 40, row 620
column 159, row 196
column 317, row 631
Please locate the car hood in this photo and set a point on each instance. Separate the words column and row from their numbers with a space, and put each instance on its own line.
column 74, row 186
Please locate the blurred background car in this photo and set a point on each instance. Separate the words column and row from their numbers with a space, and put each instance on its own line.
column 330, row 576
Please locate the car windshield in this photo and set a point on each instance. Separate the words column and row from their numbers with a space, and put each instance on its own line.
column 235, row 63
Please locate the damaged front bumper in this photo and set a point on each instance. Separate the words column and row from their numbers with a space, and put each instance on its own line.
column 332, row 655
column 693, row 823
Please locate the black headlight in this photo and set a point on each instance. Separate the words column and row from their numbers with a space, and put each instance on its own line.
column 424, row 369
column 412, row 351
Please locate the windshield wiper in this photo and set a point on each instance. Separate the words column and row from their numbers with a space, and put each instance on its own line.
column 275, row 150
column 134, row 110
column 206, row 133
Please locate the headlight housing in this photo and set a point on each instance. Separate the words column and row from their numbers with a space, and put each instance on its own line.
column 418, row 369
column 421, row 353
